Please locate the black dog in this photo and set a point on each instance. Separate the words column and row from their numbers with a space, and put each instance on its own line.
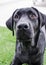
column 30, row 40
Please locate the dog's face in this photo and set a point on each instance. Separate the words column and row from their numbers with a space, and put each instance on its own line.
column 26, row 22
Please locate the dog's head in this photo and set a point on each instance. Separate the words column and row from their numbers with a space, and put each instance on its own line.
column 27, row 23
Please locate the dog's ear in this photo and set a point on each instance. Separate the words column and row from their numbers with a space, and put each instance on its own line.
column 10, row 22
column 42, row 22
column 41, row 18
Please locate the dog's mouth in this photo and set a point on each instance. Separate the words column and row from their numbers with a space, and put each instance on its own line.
column 24, row 35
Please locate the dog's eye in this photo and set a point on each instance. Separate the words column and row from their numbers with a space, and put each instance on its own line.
column 16, row 17
column 31, row 16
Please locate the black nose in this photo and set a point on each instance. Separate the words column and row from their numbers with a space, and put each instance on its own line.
column 23, row 26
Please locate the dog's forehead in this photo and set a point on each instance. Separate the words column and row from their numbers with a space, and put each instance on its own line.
column 25, row 10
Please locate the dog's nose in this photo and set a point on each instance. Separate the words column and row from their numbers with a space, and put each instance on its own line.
column 23, row 26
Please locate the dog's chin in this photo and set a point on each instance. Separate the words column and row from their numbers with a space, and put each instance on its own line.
column 24, row 35
column 21, row 37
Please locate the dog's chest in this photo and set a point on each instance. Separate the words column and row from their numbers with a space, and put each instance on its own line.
column 26, row 53
column 34, row 55
column 22, row 52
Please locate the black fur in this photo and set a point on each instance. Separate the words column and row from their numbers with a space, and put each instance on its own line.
column 30, row 39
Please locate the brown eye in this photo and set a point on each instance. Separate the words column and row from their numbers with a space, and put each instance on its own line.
column 16, row 16
column 32, row 16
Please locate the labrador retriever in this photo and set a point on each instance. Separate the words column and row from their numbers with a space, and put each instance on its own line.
column 30, row 40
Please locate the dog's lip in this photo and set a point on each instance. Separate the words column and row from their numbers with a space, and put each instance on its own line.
column 24, row 35
column 22, row 39
column 24, row 32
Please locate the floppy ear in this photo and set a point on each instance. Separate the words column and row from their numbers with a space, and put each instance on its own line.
column 41, row 18
column 42, row 22
column 9, row 23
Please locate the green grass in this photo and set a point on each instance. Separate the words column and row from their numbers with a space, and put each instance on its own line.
column 7, row 46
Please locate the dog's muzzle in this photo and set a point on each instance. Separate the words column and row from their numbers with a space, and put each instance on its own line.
column 23, row 32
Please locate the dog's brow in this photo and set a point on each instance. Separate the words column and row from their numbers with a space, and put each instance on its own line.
column 30, row 12
column 15, row 12
column 23, row 11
